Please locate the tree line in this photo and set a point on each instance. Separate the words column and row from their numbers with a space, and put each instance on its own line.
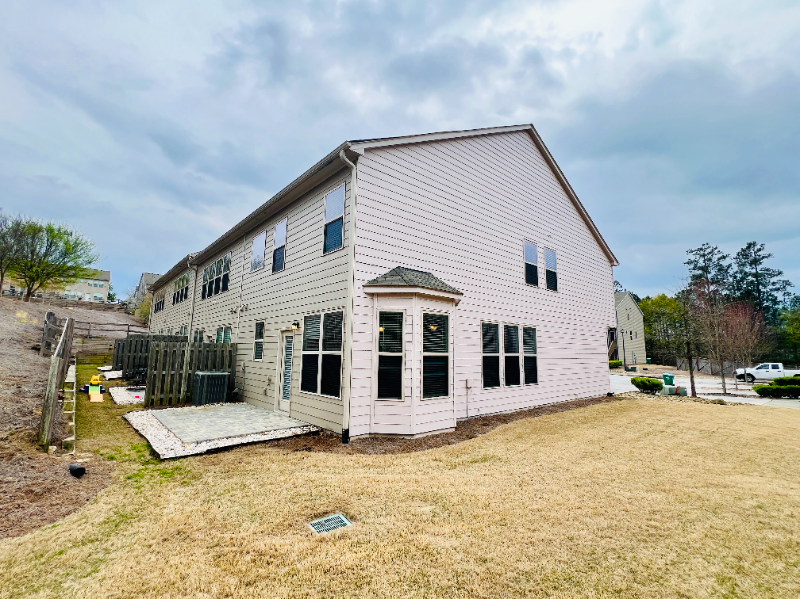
column 732, row 308
column 39, row 255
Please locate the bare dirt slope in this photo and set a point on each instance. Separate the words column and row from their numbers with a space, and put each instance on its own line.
column 35, row 488
column 23, row 373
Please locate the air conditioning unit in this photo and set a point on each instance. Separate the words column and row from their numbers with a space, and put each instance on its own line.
column 210, row 387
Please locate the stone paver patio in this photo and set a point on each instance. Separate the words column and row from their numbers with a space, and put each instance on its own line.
column 178, row 432
column 218, row 421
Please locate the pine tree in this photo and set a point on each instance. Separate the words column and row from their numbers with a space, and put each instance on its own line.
column 757, row 284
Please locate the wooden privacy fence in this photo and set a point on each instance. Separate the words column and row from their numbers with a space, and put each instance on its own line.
column 59, row 364
column 170, row 371
column 131, row 353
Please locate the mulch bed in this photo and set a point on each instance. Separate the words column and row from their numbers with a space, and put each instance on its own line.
column 465, row 430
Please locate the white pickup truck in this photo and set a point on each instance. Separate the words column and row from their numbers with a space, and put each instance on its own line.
column 768, row 371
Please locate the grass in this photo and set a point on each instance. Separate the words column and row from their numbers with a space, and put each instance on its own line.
column 636, row 498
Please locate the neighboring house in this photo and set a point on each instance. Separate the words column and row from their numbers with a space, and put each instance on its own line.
column 403, row 283
column 145, row 281
column 92, row 289
column 630, row 327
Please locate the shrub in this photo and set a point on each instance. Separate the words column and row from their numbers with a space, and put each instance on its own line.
column 615, row 363
column 776, row 391
column 784, row 381
column 647, row 385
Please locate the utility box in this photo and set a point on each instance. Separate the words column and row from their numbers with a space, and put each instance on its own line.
column 210, row 387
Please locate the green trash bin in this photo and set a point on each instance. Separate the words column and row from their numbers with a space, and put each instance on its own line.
column 668, row 378
column 649, row 360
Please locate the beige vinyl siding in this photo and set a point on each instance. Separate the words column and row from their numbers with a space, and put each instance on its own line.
column 173, row 317
column 629, row 318
column 461, row 210
column 311, row 282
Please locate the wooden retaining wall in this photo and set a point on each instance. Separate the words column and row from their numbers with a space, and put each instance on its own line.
column 170, row 374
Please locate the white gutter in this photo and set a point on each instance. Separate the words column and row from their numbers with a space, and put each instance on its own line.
column 350, row 304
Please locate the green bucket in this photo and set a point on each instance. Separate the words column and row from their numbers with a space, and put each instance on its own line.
column 649, row 360
column 668, row 378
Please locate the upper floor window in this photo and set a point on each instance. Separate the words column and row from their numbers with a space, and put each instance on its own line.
column 258, row 250
column 180, row 289
column 279, row 246
column 550, row 270
column 216, row 276
column 158, row 300
column 101, row 284
column 334, row 219
column 531, row 264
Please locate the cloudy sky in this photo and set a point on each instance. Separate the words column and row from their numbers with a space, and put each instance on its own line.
column 155, row 126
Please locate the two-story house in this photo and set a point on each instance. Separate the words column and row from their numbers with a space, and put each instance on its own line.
column 403, row 283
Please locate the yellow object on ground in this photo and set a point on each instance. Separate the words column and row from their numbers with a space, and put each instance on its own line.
column 95, row 380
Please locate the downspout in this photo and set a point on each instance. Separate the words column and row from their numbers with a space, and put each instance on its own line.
column 350, row 303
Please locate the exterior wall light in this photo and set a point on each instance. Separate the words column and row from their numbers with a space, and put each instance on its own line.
column 295, row 325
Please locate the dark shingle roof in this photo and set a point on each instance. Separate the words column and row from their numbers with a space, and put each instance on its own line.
column 406, row 277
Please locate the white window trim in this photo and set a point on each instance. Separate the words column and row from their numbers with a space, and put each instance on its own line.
column 525, row 262
column 522, row 354
column 555, row 270
column 423, row 354
column 499, row 354
column 256, row 340
column 377, row 352
column 327, row 221
column 319, row 353
column 284, row 246
column 502, row 347
column 253, row 247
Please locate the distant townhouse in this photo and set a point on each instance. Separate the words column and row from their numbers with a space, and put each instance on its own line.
column 401, row 284
column 145, row 282
column 94, row 288
column 630, row 346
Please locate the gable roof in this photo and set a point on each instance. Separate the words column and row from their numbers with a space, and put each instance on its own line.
column 407, row 277
column 335, row 161
column 619, row 296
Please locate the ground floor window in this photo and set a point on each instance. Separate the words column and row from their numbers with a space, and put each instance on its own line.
column 390, row 355
column 529, row 359
column 258, row 343
column 435, row 355
column 223, row 334
column 515, row 364
column 321, row 370
column 197, row 337
column 490, row 340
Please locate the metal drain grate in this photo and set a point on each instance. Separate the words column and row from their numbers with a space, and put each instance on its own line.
column 329, row 523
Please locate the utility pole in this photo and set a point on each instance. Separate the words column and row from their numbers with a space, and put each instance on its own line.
column 624, row 357
column 691, row 366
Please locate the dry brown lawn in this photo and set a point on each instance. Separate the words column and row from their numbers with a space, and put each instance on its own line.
column 635, row 498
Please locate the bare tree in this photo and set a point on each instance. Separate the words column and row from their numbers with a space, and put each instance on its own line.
column 708, row 312
column 745, row 334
